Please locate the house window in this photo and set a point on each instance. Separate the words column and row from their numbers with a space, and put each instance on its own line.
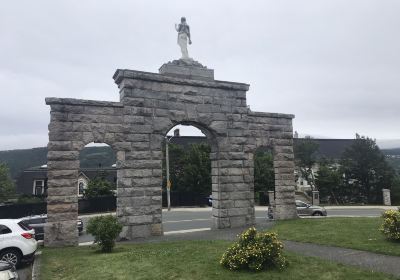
column 38, row 187
column 81, row 187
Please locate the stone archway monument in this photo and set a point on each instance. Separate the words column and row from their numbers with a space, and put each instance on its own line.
column 183, row 92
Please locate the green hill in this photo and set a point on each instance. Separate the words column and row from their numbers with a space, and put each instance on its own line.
column 19, row 160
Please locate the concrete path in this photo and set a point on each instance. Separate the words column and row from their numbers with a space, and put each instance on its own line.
column 366, row 260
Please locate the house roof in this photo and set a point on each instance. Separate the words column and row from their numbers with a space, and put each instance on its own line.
column 329, row 148
column 186, row 141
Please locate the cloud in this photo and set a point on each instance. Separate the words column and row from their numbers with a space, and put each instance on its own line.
column 334, row 64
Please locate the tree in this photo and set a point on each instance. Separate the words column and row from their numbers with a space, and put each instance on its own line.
column 190, row 169
column 99, row 186
column 264, row 175
column 177, row 158
column 197, row 169
column 305, row 154
column 6, row 183
column 329, row 182
column 366, row 170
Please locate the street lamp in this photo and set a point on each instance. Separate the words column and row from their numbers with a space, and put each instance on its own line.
column 167, row 140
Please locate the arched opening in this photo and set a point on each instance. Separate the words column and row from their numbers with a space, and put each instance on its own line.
column 96, row 184
column 264, row 175
column 187, row 180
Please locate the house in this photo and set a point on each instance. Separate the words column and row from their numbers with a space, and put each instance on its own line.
column 329, row 149
column 33, row 181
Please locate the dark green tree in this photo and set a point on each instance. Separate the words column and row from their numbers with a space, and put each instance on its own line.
column 99, row 186
column 177, row 160
column 395, row 190
column 366, row 170
column 197, row 169
column 7, row 189
column 190, row 168
column 264, row 175
column 329, row 181
column 305, row 155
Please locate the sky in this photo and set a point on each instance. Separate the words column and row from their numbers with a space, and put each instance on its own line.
column 334, row 64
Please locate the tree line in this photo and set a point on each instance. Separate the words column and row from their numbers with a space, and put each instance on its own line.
column 357, row 177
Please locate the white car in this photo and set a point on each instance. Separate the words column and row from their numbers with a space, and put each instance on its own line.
column 17, row 241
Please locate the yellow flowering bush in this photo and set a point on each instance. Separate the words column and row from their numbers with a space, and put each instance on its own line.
column 391, row 224
column 255, row 251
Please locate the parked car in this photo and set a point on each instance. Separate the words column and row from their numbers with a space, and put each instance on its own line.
column 17, row 241
column 38, row 222
column 303, row 209
column 7, row 271
column 209, row 200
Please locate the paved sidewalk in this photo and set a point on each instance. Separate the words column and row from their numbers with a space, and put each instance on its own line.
column 366, row 260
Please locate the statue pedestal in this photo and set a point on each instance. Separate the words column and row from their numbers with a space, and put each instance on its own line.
column 188, row 69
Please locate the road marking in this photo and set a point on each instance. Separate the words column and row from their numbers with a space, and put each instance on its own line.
column 186, row 231
column 181, row 221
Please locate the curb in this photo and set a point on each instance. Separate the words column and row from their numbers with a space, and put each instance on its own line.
column 36, row 266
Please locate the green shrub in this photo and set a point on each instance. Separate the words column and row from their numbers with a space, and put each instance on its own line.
column 391, row 224
column 105, row 230
column 255, row 251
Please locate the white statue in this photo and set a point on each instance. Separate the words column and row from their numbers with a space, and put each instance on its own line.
column 183, row 36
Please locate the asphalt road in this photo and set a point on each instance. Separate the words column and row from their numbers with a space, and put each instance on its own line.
column 373, row 212
column 189, row 219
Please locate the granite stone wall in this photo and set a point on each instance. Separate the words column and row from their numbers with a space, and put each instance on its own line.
column 150, row 105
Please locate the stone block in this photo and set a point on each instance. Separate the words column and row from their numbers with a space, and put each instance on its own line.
column 237, row 212
column 61, row 233
column 221, row 223
column 63, row 165
column 188, row 72
column 139, row 220
column 238, row 221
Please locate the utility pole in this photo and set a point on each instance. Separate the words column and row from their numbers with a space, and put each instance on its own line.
column 167, row 165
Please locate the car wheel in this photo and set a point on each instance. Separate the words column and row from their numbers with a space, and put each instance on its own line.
column 11, row 256
column 317, row 214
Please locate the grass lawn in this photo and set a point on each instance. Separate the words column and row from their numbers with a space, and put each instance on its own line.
column 179, row 260
column 356, row 233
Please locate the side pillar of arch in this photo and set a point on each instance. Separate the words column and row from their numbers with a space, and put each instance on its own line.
column 233, row 178
column 275, row 130
column 73, row 124
column 285, row 207
column 62, row 174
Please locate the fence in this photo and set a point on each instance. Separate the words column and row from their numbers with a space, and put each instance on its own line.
column 15, row 211
column 85, row 206
column 97, row 205
column 184, row 199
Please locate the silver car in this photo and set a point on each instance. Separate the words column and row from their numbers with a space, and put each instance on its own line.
column 303, row 209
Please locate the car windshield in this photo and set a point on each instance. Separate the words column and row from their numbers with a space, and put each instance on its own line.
column 301, row 204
